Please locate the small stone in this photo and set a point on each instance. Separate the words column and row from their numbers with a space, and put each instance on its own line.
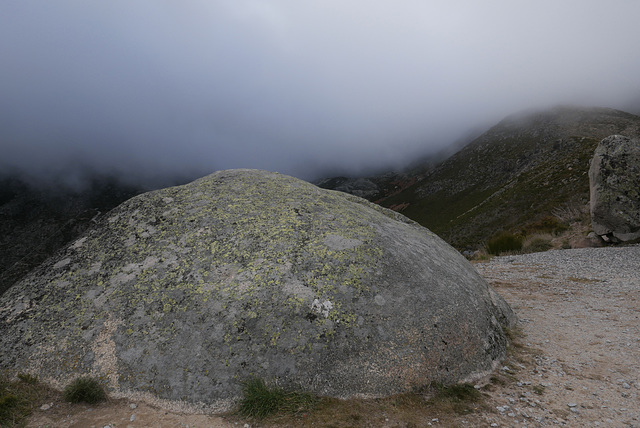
column 572, row 404
column 133, row 406
column 435, row 420
column 45, row 407
column 574, row 409
column 132, row 418
column 511, row 414
column 494, row 424
column 625, row 385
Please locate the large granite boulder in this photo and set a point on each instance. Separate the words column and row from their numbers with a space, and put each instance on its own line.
column 614, row 178
column 181, row 294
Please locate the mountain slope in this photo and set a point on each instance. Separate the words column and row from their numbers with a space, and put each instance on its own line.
column 35, row 222
column 518, row 172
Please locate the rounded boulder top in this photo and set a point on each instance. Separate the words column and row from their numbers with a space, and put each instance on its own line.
column 183, row 293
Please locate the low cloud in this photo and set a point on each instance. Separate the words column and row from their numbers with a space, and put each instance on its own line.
column 154, row 89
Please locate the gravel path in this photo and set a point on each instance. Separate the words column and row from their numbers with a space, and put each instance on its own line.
column 580, row 313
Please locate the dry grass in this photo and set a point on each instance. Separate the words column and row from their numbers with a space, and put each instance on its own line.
column 446, row 404
column 537, row 243
column 19, row 397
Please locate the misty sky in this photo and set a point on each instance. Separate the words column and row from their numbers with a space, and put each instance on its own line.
column 154, row 88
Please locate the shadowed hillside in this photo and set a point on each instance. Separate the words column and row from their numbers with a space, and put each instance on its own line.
column 518, row 172
column 514, row 176
column 35, row 222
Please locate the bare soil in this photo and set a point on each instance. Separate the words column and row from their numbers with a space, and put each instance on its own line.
column 575, row 361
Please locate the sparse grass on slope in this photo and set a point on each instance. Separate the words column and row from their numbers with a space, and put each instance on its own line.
column 524, row 169
column 473, row 208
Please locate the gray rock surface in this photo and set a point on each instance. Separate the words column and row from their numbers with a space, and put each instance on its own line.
column 614, row 178
column 182, row 293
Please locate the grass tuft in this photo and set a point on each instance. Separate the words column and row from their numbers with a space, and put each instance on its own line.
column 27, row 378
column 260, row 401
column 504, row 242
column 459, row 398
column 84, row 390
column 18, row 398
column 539, row 389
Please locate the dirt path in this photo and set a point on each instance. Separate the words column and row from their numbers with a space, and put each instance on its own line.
column 578, row 363
column 580, row 309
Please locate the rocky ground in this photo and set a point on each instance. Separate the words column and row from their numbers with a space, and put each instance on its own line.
column 580, row 314
column 576, row 362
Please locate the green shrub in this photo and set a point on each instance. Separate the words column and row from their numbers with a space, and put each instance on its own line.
column 537, row 245
column 84, row 390
column 260, row 401
column 504, row 242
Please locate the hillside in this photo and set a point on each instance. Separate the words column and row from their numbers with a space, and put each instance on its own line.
column 522, row 170
column 35, row 221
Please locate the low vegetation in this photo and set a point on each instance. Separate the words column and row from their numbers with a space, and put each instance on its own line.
column 18, row 398
column 459, row 398
column 84, row 390
column 260, row 400
column 536, row 244
column 504, row 242
column 275, row 407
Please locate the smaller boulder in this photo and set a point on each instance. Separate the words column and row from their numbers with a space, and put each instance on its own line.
column 614, row 181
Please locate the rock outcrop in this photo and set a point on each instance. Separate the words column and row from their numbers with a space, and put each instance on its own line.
column 614, row 179
column 183, row 293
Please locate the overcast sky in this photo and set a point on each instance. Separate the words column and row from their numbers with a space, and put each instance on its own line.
column 151, row 88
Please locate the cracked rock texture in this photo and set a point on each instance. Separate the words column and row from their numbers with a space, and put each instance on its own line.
column 614, row 179
column 180, row 294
